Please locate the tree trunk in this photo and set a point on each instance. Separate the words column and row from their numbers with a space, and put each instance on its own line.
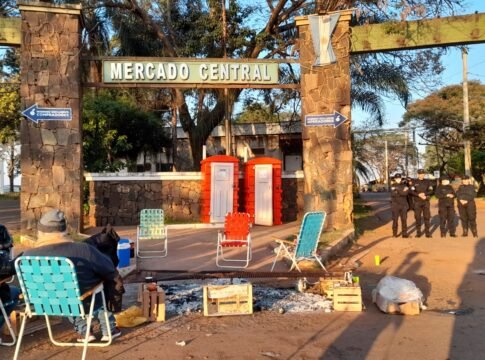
column 196, row 143
column 11, row 166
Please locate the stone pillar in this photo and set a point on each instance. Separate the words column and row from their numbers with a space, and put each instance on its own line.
column 327, row 154
column 51, row 151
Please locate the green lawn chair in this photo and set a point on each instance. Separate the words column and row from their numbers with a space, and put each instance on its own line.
column 151, row 230
column 305, row 245
column 50, row 288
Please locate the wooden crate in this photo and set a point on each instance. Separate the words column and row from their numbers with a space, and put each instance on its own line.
column 221, row 300
column 347, row 298
column 328, row 284
column 152, row 303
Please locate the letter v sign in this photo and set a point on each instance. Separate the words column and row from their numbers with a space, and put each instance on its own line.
column 322, row 28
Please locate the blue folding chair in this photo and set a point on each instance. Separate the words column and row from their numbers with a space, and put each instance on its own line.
column 50, row 288
column 306, row 243
column 151, row 230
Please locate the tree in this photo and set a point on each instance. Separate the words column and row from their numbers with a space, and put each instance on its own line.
column 194, row 28
column 439, row 116
column 115, row 130
column 369, row 153
column 10, row 113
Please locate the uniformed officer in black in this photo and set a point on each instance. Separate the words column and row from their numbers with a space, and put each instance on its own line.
column 410, row 183
column 399, row 205
column 446, row 206
column 466, row 206
column 421, row 191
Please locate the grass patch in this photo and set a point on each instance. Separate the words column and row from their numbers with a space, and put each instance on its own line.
column 10, row 196
column 170, row 221
column 361, row 210
column 361, row 216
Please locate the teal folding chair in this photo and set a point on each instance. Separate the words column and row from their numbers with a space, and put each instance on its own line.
column 306, row 243
column 152, row 232
column 50, row 288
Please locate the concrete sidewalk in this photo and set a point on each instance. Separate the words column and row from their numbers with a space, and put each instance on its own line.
column 194, row 249
column 447, row 271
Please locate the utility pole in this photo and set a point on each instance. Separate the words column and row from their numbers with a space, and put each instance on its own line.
column 406, row 160
column 227, row 122
column 387, row 165
column 466, row 115
column 416, row 150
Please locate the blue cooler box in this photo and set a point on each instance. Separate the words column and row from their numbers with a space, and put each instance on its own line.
column 124, row 253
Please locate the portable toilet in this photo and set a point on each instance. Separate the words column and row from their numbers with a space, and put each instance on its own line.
column 262, row 190
column 220, row 186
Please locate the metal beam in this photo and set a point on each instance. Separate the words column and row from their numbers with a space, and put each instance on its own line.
column 406, row 35
column 10, row 31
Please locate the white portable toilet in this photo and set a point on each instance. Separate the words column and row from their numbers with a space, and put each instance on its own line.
column 220, row 186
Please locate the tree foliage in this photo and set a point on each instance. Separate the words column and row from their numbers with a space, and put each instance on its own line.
column 115, row 129
column 369, row 154
column 193, row 28
column 439, row 117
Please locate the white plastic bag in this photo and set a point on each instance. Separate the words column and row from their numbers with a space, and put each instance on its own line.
column 393, row 290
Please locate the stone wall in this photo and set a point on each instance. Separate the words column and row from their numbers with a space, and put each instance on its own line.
column 118, row 201
column 327, row 153
column 51, row 151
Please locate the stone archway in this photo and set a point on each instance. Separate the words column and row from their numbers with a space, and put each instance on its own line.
column 51, row 158
column 51, row 151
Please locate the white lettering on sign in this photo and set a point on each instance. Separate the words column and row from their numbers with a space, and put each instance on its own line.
column 245, row 72
column 193, row 71
column 116, row 71
column 128, row 71
column 184, row 72
column 149, row 71
column 203, row 72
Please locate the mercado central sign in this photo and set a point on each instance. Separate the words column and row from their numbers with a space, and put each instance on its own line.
column 204, row 71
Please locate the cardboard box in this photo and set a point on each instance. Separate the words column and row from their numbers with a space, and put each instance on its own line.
column 409, row 308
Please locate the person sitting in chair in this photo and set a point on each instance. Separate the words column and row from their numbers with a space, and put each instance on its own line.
column 92, row 267
column 8, row 294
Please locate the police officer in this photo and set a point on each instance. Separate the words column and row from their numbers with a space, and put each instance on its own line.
column 410, row 184
column 446, row 206
column 421, row 191
column 466, row 206
column 399, row 205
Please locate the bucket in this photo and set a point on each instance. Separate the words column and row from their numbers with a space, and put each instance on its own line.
column 123, row 253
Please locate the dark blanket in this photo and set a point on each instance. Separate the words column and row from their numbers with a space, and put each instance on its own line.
column 107, row 242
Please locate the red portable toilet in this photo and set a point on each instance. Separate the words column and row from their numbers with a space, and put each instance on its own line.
column 220, row 186
column 262, row 190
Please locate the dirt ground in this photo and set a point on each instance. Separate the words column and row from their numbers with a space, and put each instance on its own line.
column 446, row 270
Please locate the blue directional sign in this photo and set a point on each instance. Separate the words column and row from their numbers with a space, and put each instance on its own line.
column 334, row 119
column 37, row 114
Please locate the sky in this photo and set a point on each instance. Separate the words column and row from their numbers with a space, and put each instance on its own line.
column 452, row 74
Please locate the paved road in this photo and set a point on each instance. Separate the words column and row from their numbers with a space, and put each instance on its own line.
column 10, row 214
column 446, row 270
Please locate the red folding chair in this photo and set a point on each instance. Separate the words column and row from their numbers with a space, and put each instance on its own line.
column 235, row 235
